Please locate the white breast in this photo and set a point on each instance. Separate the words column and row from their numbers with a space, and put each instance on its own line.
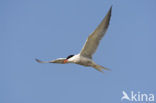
column 78, row 59
column 74, row 59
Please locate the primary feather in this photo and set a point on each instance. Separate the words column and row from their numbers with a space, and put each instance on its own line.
column 93, row 40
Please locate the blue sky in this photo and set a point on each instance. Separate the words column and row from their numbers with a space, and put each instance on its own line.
column 49, row 29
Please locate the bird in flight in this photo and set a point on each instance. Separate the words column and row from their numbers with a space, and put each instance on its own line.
column 85, row 56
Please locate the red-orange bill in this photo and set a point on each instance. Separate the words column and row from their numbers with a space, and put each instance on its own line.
column 65, row 61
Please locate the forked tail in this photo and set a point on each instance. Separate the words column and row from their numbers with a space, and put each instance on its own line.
column 100, row 68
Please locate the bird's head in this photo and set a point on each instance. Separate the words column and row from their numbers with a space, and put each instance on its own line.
column 66, row 60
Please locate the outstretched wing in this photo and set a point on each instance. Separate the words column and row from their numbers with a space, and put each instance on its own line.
column 59, row 60
column 93, row 40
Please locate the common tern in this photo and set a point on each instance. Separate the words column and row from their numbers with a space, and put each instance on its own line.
column 85, row 56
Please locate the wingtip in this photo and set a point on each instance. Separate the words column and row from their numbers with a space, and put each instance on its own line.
column 108, row 69
column 39, row 61
column 111, row 8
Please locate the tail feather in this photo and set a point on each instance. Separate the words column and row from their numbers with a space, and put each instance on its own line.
column 100, row 68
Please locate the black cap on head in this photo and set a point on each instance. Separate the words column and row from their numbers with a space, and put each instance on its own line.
column 69, row 56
